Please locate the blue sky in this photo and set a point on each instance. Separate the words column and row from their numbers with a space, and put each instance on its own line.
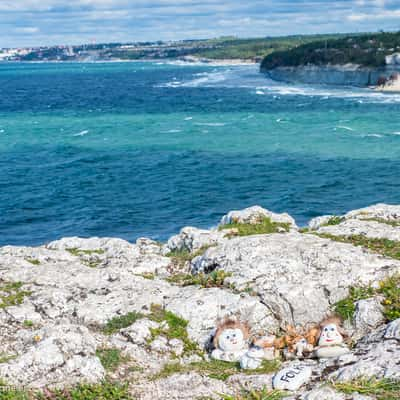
column 43, row 22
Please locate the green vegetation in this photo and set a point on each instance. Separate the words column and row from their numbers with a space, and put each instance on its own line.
column 33, row 261
column 110, row 358
column 263, row 394
column 368, row 50
column 213, row 279
column 265, row 225
column 176, row 328
column 148, row 275
column 389, row 289
column 346, row 307
column 386, row 247
column 6, row 357
column 383, row 221
column 11, row 294
column 28, row 323
column 216, row 369
column 335, row 220
column 381, row 389
column 79, row 252
column 102, row 391
column 181, row 257
column 120, row 322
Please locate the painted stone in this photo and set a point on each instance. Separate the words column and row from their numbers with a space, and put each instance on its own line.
column 292, row 378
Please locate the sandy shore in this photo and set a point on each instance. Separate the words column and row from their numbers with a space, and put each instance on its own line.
column 391, row 86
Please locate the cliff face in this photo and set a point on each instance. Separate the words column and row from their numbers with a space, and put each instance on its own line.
column 81, row 310
column 350, row 75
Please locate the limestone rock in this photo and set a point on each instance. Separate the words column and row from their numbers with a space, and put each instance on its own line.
column 370, row 229
column 252, row 215
column 56, row 355
column 368, row 316
column 193, row 239
column 187, row 386
column 317, row 222
column 377, row 357
column 386, row 212
column 298, row 277
column 323, row 393
column 139, row 332
column 204, row 307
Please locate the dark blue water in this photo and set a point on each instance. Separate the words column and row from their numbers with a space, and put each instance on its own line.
column 142, row 149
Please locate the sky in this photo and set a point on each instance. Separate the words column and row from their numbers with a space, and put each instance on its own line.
column 49, row 22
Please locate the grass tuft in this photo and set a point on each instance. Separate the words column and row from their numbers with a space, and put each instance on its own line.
column 11, row 294
column 120, row 322
column 381, row 389
column 386, row 247
column 111, row 358
column 79, row 252
column 181, row 257
column 263, row 394
column 102, row 391
column 389, row 289
column 216, row 369
column 334, row 220
column 33, row 261
column 265, row 225
column 213, row 279
column 176, row 328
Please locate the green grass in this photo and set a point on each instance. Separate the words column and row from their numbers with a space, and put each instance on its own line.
column 111, row 358
column 346, row 307
column 386, row 247
column 265, row 225
column 382, row 221
column 148, row 275
column 28, row 323
column 381, row 389
column 216, row 369
column 6, row 358
column 176, row 328
column 181, row 257
column 389, row 289
column 334, row 220
column 263, row 394
column 33, row 261
column 11, row 294
column 213, row 279
column 102, row 391
column 79, row 252
column 120, row 322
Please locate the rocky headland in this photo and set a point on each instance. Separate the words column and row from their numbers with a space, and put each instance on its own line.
column 102, row 318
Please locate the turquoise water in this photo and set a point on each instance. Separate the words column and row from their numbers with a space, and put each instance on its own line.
column 142, row 149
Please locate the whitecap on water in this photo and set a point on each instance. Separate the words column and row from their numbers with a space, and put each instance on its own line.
column 210, row 123
column 82, row 133
column 188, row 118
column 346, row 128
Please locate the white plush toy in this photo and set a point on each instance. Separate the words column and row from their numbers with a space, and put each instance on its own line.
column 331, row 343
column 230, row 341
column 253, row 358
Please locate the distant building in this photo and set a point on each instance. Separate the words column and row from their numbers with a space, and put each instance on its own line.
column 393, row 59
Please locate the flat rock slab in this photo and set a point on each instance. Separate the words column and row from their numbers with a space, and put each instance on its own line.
column 297, row 276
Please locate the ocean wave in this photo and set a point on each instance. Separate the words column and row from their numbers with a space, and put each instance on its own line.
column 210, row 123
column 346, row 128
column 82, row 133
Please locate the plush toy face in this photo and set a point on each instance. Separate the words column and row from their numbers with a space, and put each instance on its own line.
column 231, row 340
column 330, row 336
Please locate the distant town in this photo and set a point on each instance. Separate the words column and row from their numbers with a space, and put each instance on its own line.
column 254, row 49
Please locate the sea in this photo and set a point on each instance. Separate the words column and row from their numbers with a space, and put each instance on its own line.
column 141, row 149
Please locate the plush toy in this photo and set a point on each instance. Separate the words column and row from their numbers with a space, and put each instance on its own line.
column 253, row 358
column 230, row 340
column 331, row 340
column 295, row 343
